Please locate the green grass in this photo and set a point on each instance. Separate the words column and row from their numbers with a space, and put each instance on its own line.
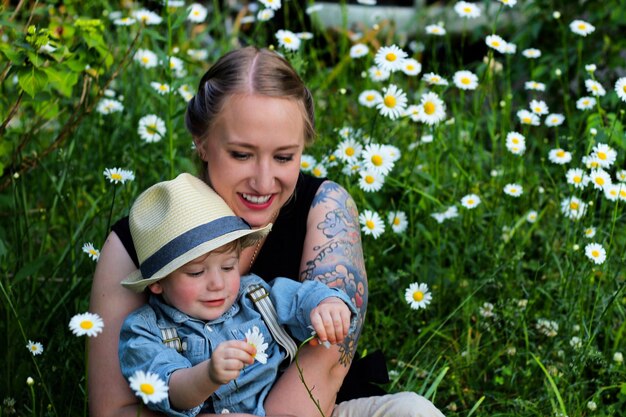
column 476, row 350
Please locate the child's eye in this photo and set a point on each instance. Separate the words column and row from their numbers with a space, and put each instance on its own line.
column 194, row 273
column 228, row 268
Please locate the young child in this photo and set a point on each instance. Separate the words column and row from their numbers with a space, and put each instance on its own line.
column 222, row 356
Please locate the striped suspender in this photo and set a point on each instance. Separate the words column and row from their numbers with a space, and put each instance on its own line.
column 259, row 295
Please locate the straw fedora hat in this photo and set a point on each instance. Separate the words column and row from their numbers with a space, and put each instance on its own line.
column 174, row 222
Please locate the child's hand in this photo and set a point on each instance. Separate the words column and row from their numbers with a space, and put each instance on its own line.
column 228, row 360
column 331, row 320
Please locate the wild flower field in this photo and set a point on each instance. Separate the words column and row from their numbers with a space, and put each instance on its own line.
column 483, row 143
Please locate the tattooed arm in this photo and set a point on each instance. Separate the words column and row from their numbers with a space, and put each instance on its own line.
column 332, row 254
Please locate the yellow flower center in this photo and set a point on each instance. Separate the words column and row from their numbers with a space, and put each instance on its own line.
column 396, row 221
column 560, row 153
column 515, row 141
column 622, row 193
column 602, row 155
column 145, row 59
column 577, row 179
column 287, row 40
column 595, row 253
column 555, row 120
column 391, row 57
column 410, row 67
column 33, row 348
column 151, row 129
column 467, row 9
column 495, row 43
column 624, row 88
column 526, row 120
column 573, row 205
column 465, row 80
column 163, row 87
column 196, row 13
column 599, row 180
column 350, row 151
column 317, row 172
column 537, row 109
column 93, row 251
column 369, row 224
column 429, row 107
column 146, row 388
column 582, row 26
column 304, row 164
column 418, row 296
column 369, row 97
column 377, row 160
column 369, row 179
column 86, row 325
column 513, row 190
column 390, row 101
column 435, row 79
column 470, row 202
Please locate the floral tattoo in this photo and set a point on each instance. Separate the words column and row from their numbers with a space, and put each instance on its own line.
column 339, row 261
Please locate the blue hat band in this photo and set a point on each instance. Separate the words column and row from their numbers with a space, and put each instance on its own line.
column 189, row 240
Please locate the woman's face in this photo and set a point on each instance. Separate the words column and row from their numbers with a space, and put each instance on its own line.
column 253, row 154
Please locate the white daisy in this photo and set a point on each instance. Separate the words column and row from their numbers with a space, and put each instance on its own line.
column 620, row 88
column 371, row 223
column 547, row 327
column 514, row 190
column 288, row 40
column 305, row 36
column 89, row 324
column 197, row 13
column 509, row 48
column 599, row 178
column 349, row 150
column 118, row 175
column 534, row 85
column 371, row 180
column 417, row 296
column 465, row 80
column 622, row 191
column 432, row 109
column 198, row 54
column 531, row 216
column 450, row 213
column 124, row 21
column 411, row 67
column 393, row 152
column 35, row 348
column 376, row 157
column 108, row 106
column 531, row 53
column 495, row 42
column 271, row 4
column 393, row 102
column 554, row 119
column 390, row 58
column 582, row 28
column 528, row 118
column 539, row 107
column 319, row 171
column 591, row 161
column 265, row 15
column 589, row 232
column 147, row 17
column 437, row 30
column 595, row 252
column 594, row 88
column 467, row 10
column 148, row 386
column 398, row 221
column 307, row 162
column 515, row 143
column 621, row 175
column 160, row 88
column 591, row 68
column 378, row 74
column 177, row 66
column 358, row 50
column 576, row 177
column 90, row 250
column 573, row 207
column 605, row 154
column 585, row 103
column 559, row 156
column 185, row 92
column 470, row 201
column 151, row 128
column 611, row 191
column 434, row 79
column 509, row 3
column 146, row 58
column 370, row 98
column 255, row 338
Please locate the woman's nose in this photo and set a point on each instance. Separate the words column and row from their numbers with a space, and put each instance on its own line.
column 263, row 180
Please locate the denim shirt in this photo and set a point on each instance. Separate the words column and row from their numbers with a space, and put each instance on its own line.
column 141, row 345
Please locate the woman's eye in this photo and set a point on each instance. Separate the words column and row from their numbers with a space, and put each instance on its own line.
column 239, row 155
column 284, row 158
column 194, row 273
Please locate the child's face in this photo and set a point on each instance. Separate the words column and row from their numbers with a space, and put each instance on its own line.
column 204, row 288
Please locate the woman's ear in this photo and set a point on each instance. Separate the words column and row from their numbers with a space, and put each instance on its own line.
column 199, row 143
column 156, row 288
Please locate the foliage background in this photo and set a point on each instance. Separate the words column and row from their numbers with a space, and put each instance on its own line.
column 54, row 148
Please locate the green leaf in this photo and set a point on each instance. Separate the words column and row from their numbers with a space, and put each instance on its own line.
column 62, row 80
column 32, row 80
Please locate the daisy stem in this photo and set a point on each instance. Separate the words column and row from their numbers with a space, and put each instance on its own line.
column 110, row 212
column 139, row 408
column 32, row 396
column 301, row 375
column 168, row 117
column 86, row 374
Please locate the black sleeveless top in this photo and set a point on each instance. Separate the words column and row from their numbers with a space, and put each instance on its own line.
column 281, row 253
